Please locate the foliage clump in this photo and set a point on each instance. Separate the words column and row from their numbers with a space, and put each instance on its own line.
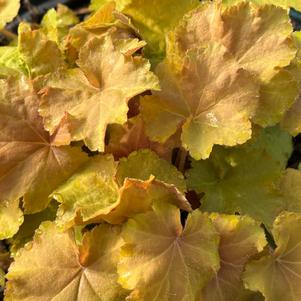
column 144, row 153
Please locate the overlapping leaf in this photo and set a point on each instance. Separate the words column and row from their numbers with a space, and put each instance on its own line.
column 263, row 53
column 91, row 192
column 35, row 49
column 277, row 276
column 266, row 48
column 161, row 260
column 212, row 99
column 96, row 94
column 99, row 191
column 11, row 217
column 244, row 179
column 31, row 165
column 53, row 267
column 138, row 196
column 144, row 163
column 131, row 137
column 55, row 23
column 241, row 238
column 282, row 3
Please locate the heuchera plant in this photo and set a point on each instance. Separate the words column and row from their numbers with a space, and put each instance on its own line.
column 144, row 151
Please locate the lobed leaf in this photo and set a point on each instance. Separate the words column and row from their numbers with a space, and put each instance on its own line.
column 277, row 275
column 53, row 267
column 240, row 239
column 160, row 259
column 31, row 165
column 95, row 94
column 212, row 100
column 145, row 163
column 232, row 183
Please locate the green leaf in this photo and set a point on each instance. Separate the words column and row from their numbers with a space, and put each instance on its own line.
column 241, row 238
column 30, row 225
column 160, row 259
column 144, row 163
column 229, row 177
column 154, row 19
column 53, row 267
column 277, row 275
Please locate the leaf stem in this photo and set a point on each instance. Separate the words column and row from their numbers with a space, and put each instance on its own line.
column 9, row 35
column 181, row 159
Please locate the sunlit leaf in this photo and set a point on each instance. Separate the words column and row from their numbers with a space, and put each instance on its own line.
column 52, row 267
column 11, row 217
column 35, row 49
column 138, row 196
column 96, row 94
column 91, row 192
column 8, row 11
column 212, row 99
column 277, row 275
column 31, row 165
column 162, row 259
column 266, row 48
column 241, row 238
column 144, row 163
column 55, row 23
column 282, row 3
column 244, row 179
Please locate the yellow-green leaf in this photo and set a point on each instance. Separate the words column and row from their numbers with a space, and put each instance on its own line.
column 162, row 260
column 154, row 19
column 53, row 267
column 291, row 189
column 8, row 11
column 244, row 179
column 277, row 275
column 30, row 225
column 276, row 98
column 240, row 239
column 89, row 193
column 55, row 23
column 145, row 163
column 35, row 49
column 11, row 217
